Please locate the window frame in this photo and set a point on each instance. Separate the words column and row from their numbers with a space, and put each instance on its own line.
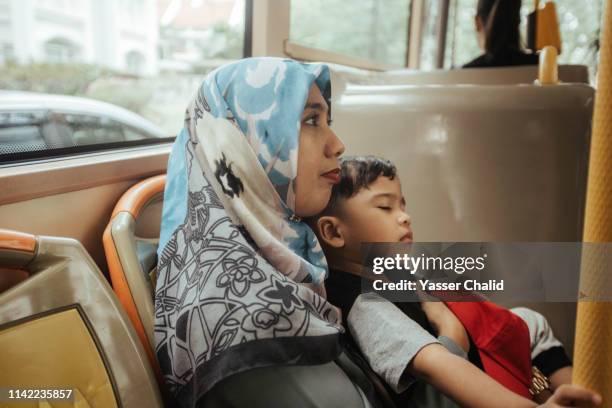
column 67, row 152
column 273, row 39
column 303, row 52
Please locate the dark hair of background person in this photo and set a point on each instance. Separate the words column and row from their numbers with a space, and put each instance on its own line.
column 501, row 20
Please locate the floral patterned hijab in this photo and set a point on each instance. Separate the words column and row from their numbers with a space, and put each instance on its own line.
column 240, row 277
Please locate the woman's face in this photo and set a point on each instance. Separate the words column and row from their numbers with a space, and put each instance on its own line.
column 318, row 168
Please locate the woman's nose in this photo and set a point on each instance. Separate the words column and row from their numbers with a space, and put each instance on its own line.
column 334, row 146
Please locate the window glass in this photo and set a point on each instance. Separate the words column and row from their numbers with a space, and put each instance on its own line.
column 461, row 41
column 6, row 53
column 132, row 134
column 59, row 50
column 429, row 36
column 86, row 130
column 156, row 58
column 21, row 131
column 579, row 26
column 377, row 30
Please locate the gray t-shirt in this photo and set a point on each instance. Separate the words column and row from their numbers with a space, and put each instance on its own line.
column 389, row 339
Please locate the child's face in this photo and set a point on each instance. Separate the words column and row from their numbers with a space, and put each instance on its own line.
column 375, row 214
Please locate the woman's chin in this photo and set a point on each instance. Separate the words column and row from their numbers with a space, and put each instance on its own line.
column 311, row 208
column 309, row 211
column 312, row 205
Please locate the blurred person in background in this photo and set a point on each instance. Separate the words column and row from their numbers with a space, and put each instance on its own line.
column 498, row 30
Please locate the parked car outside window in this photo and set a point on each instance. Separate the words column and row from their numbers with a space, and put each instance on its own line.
column 35, row 122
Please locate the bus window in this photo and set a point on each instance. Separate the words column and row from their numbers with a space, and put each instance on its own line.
column 86, row 130
column 579, row 26
column 431, row 26
column 21, row 131
column 159, row 52
column 377, row 30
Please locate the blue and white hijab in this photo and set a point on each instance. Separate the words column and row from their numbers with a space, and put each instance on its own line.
column 240, row 277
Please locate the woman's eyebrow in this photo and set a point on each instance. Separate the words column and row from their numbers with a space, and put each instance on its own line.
column 316, row 106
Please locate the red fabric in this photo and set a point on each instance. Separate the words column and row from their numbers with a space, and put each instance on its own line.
column 502, row 340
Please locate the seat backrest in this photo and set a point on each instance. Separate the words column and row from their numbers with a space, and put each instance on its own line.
column 61, row 327
column 481, row 163
column 524, row 74
column 131, row 258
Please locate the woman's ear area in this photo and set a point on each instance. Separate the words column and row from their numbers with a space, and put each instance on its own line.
column 330, row 231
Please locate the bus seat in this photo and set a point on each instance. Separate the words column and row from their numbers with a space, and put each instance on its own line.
column 527, row 74
column 18, row 251
column 66, row 306
column 481, row 163
column 131, row 258
column 10, row 277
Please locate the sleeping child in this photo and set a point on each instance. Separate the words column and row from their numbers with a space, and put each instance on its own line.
column 435, row 346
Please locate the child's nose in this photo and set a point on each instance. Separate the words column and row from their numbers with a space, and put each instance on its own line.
column 405, row 219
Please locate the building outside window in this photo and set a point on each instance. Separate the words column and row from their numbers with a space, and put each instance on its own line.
column 158, row 53
column 59, row 50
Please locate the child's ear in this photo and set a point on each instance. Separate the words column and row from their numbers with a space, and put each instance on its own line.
column 330, row 231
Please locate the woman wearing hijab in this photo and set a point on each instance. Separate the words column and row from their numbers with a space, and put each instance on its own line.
column 241, row 317
column 240, row 276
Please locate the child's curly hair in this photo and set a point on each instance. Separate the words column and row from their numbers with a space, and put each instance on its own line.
column 356, row 173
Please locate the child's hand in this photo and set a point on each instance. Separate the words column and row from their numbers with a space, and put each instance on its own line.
column 445, row 323
column 572, row 396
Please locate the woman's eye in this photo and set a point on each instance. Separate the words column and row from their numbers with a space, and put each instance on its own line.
column 311, row 121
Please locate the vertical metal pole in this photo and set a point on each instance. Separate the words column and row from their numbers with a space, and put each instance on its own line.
column 593, row 347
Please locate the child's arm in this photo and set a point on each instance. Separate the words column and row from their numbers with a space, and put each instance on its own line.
column 560, row 377
column 445, row 323
column 470, row 387
column 547, row 353
column 382, row 331
column 462, row 381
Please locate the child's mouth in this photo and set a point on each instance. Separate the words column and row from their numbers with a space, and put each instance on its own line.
column 407, row 238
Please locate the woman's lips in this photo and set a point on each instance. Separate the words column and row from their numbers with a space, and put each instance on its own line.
column 332, row 175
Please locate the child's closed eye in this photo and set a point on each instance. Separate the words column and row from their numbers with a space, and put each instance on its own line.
column 384, row 208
